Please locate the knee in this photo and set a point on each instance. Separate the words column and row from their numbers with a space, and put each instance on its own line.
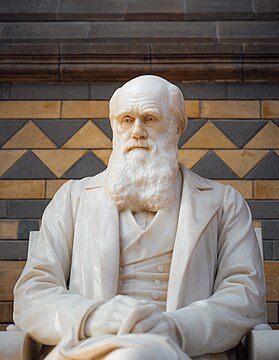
column 127, row 354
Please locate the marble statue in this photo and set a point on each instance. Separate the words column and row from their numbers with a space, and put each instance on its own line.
column 146, row 260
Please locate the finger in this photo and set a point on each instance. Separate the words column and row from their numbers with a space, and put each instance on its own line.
column 161, row 328
column 111, row 315
column 146, row 324
column 101, row 328
column 127, row 300
column 119, row 304
column 137, row 314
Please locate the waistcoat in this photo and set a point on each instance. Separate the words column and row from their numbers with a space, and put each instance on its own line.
column 146, row 253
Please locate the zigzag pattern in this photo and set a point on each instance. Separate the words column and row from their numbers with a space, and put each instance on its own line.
column 219, row 149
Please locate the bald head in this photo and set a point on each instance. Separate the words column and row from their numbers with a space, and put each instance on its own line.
column 152, row 88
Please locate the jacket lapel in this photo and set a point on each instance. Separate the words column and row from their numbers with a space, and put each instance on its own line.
column 103, row 221
column 199, row 203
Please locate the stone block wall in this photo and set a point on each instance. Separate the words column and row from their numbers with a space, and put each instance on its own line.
column 52, row 132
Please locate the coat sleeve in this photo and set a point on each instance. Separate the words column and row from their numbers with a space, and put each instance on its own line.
column 43, row 305
column 237, row 304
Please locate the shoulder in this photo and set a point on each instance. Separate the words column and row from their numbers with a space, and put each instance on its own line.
column 74, row 188
column 199, row 182
column 223, row 192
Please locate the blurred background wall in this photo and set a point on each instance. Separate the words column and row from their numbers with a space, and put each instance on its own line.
column 61, row 60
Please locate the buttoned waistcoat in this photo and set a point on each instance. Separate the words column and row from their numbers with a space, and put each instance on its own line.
column 216, row 290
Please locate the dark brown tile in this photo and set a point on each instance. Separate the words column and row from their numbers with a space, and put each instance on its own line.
column 196, row 49
column 91, row 10
column 219, row 10
column 13, row 250
column 267, row 9
column 58, row 91
column 155, row 10
column 260, row 49
column 104, row 49
column 262, row 209
column 248, row 31
column 270, row 229
column 199, row 72
column 26, row 209
column 160, row 31
column 41, row 31
column 24, row 50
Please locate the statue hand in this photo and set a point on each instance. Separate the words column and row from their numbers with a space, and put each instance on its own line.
column 124, row 314
column 156, row 323
column 118, row 315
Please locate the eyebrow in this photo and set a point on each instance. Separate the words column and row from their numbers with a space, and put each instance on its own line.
column 122, row 114
column 153, row 113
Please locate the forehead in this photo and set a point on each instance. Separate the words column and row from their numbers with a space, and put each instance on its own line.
column 141, row 99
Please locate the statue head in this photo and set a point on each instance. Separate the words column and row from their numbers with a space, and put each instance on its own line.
column 147, row 117
column 149, row 94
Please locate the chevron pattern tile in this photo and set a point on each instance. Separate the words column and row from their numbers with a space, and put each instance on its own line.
column 75, row 147
column 266, row 138
column 8, row 158
column 59, row 161
column 89, row 136
column 29, row 136
column 103, row 155
column 241, row 161
column 209, row 136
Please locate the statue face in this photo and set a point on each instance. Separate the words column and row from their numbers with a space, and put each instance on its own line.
column 143, row 164
column 143, row 117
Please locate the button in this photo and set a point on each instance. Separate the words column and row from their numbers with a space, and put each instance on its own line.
column 157, row 282
column 155, row 296
column 160, row 268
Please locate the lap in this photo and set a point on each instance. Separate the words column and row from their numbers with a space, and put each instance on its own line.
column 151, row 346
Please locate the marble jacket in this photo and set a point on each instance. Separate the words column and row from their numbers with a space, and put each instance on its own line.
column 216, row 290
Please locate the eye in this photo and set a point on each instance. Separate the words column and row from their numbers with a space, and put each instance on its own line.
column 150, row 119
column 127, row 121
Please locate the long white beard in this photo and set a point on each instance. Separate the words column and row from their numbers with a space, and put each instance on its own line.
column 142, row 179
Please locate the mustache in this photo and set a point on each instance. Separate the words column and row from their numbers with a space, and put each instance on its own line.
column 138, row 144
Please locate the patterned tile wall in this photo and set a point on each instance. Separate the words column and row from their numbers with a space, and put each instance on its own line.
column 51, row 133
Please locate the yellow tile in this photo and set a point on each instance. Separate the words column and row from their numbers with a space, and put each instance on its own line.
column 245, row 187
column 272, row 312
column 271, row 270
column 22, row 189
column 270, row 109
column 257, row 224
column 230, row 109
column 59, row 161
column 190, row 157
column 52, row 186
column 192, row 108
column 30, row 136
column 209, row 137
column 103, row 155
column 8, row 158
column 8, row 229
column 85, row 109
column 30, row 109
column 10, row 272
column 241, row 161
column 266, row 138
column 266, row 189
column 88, row 137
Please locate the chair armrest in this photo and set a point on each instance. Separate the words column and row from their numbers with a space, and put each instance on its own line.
column 263, row 344
column 17, row 345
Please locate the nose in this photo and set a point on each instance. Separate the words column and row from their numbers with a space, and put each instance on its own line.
column 138, row 131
